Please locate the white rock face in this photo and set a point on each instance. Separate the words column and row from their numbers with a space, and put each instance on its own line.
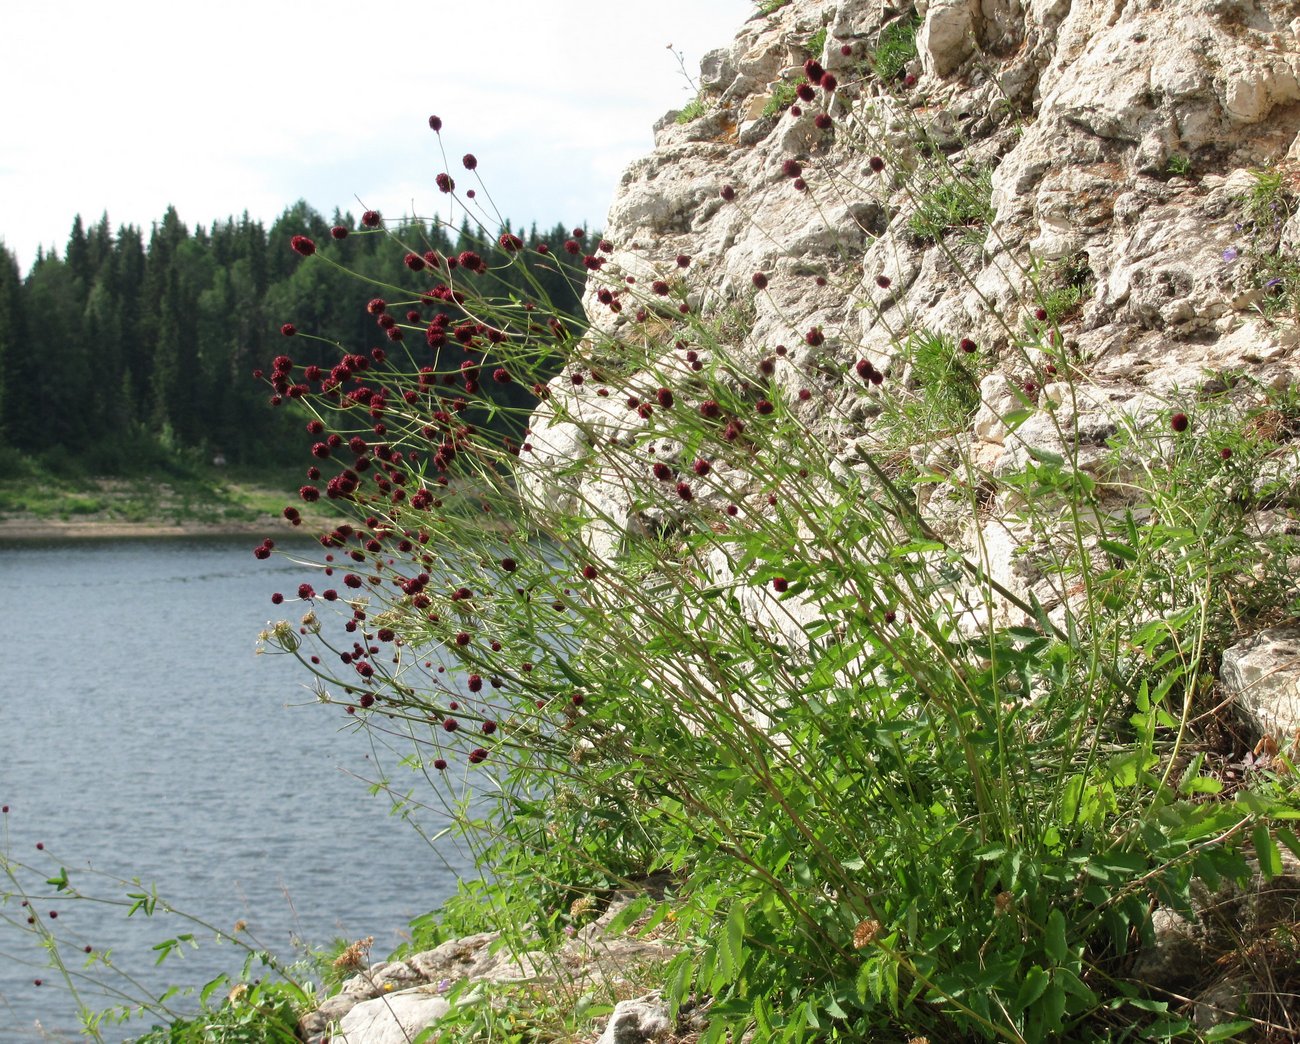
column 1081, row 113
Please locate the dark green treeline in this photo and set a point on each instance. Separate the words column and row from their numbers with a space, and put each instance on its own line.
column 125, row 352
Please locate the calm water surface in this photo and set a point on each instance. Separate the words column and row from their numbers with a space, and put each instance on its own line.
column 141, row 735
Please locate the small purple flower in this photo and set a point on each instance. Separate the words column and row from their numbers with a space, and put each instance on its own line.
column 1230, row 255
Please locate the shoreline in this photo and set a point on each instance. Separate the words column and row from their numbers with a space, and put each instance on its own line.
column 34, row 529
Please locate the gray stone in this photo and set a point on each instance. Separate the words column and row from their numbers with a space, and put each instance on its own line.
column 394, row 1018
column 1263, row 673
column 947, row 37
column 1177, row 954
column 716, row 70
column 637, row 1022
column 1220, row 1003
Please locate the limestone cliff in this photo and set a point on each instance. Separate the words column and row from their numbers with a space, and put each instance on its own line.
column 1103, row 183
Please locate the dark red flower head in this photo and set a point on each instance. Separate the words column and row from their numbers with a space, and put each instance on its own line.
column 760, row 280
column 371, row 219
column 822, row 121
column 967, row 345
column 435, row 123
column 288, row 329
column 444, row 183
column 876, row 164
column 510, row 242
column 791, row 168
column 814, row 337
column 470, row 161
column 828, row 82
column 303, row 246
column 339, row 232
column 728, row 193
column 414, row 262
column 1178, row 422
column 812, row 68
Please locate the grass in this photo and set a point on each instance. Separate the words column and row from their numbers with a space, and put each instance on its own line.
column 957, row 200
column 783, row 96
column 894, row 50
column 817, row 42
column 1064, row 286
column 693, row 110
column 1264, row 266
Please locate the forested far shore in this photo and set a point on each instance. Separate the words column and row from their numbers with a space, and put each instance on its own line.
column 124, row 354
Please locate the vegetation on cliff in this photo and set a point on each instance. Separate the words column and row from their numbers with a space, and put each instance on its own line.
column 897, row 736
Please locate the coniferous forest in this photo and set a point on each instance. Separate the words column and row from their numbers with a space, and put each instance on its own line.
column 133, row 351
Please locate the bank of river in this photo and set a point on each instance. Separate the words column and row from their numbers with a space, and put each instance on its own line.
column 140, row 734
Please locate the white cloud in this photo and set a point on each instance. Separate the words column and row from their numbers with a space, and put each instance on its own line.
column 242, row 105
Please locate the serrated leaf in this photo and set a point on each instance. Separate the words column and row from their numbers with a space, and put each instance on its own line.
column 618, row 925
column 732, row 944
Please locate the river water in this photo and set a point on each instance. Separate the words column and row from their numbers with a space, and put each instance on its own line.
column 141, row 736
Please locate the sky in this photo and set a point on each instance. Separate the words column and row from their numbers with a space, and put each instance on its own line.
column 217, row 108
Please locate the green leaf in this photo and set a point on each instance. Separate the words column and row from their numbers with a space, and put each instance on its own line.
column 60, row 880
column 1289, row 839
column 678, row 980
column 1270, row 859
column 1014, row 418
column 731, row 947
column 1228, row 1030
column 1054, row 937
column 1034, row 986
column 1119, row 550
column 626, row 916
